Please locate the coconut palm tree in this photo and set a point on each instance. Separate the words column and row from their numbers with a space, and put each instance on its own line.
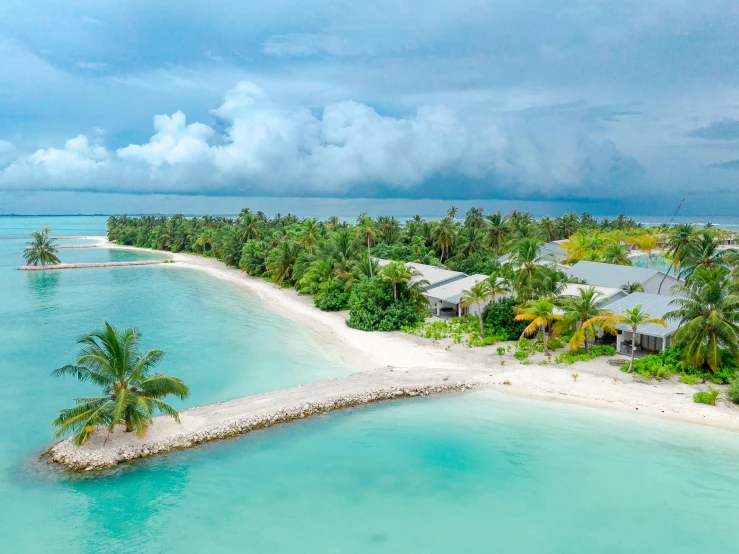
column 496, row 231
column 444, row 236
column 281, row 261
column 632, row 287
column 704, row 250
column 473, row 218
column 41, row 249
column 131, row 393
column 581, row 310
column 526, row 262
column 632, row 317
column 452, row 212
column 707, row 308
column 477, row 295
column 366, row 229
column 678, row 241
column 646, row 243
column 397, row 273
column 499, row 283
column 310, row 234
column 616, row 254
column 541, row 313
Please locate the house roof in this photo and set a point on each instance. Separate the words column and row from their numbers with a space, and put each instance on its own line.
column 553, row 250
column 434, row 275
column 657, row 305
column 607, row 294
column 452, row 291
column 611, row 275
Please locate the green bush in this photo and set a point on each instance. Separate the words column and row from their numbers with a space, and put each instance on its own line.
column 372, row 307
column 332, row 296
column 706, row 397
column 667, row 363
column 732, row 393
column 581, row 355
column 498, row 319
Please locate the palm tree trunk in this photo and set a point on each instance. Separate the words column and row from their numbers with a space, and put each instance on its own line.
column 633, row 349
column 369, row 257
column 585, row 336
column 544, row 334
column 395, row 292
column 129, row 426
column 479, row 317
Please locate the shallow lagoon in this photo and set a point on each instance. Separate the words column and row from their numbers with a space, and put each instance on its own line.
column 480, row 472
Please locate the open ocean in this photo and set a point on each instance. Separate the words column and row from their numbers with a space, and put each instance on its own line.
column 471, row 473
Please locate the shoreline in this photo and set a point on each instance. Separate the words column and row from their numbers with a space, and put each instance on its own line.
column 388, row 365
column 598, row 385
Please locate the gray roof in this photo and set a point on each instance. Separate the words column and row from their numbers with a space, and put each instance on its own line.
column 657, row 305
column 611, row 275
column 552, row 250
column 451, row 291
column 434, row 275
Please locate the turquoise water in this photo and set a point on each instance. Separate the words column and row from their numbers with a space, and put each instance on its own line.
column 480, row 472
column 658, row 262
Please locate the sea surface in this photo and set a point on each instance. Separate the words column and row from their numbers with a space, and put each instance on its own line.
column 477, row 472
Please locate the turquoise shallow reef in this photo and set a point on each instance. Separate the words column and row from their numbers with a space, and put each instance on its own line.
column 478, row 472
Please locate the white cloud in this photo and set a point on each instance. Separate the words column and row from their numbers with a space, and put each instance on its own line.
column 267, row 146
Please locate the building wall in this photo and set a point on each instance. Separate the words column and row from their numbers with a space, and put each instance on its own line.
column 651, row 285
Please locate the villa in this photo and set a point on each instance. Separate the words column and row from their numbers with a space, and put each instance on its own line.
column 616, row 276
column 445, row 299
column 553, row 251
column 606, row 295
column 649, row 338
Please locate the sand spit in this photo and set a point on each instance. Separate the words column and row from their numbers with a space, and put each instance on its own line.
column 236, row 417
column 86, row 266
column 76, row 246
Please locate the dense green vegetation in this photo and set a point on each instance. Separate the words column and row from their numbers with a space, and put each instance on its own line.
column 131, row 393
column 41, row 249
column 335, row 262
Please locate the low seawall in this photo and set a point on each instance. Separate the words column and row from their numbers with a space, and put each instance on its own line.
column 88, row 265
column 236, row 417
column 77, row 246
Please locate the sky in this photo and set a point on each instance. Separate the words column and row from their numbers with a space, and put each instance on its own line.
column 624, row 105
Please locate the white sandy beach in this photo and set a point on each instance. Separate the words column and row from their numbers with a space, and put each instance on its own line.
column 598, row 384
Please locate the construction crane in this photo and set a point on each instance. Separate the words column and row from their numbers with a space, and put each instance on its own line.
column 674, row 214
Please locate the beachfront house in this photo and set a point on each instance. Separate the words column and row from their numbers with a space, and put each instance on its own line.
column 616, row 276
column 445, row 299
column 551, row 251
column 606, row 295
column 649, row 338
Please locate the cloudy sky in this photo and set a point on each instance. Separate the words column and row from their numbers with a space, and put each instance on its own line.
column 626, row 103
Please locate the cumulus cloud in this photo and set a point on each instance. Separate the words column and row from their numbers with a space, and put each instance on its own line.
column 266, row 147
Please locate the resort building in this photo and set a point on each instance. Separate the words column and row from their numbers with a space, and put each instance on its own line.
column 649, row 338
column 445, row 299
column 616, row 276
column 434, row 275
column 552, row 251
column 606, row 295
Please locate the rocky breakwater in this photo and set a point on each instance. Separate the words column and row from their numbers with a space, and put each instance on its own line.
column 228, row 419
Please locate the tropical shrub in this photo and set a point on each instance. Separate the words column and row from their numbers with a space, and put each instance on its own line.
column 732, row 393
column 332, row 296
column 669, row 362
column 372, row 307
column 704, row 397
column 499, row 317
column 582, row 355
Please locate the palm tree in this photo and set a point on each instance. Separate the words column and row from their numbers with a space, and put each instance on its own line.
column 281, row 261
column 634, row 318
column 645, row 242
column 707, row 308
column 704, row 250
column 616, row 254
column 496, row 231
column 41, row 249
column 310, row 234
column 444, row 236
column 526, row 261
column 366, row 229
column 632, row 287
column 473, row 218
column 477, row 294
column 541, row 314
column 111, row 359
column 499, row 283
column 680, row 238
column 452, row 212
column 397, row 273
column 581, row 310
